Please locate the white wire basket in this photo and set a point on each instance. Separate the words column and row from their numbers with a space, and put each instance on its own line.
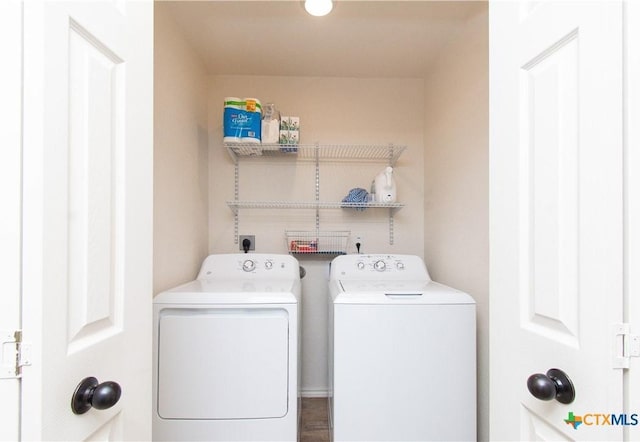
column 301, row 242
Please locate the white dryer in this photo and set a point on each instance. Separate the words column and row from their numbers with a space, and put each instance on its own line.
column 226, row 349
column 402, row 353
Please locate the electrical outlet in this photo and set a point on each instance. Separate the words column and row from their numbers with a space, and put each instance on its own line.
column 357, row 243
column 252, row 241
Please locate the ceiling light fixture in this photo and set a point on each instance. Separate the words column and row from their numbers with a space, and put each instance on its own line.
column 318, row 8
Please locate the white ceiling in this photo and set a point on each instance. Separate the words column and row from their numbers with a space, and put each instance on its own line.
column 393, row 39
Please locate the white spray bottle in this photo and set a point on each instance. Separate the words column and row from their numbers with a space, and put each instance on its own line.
column 385, row 186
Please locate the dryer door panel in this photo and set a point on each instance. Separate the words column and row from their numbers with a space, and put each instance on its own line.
column 223, row 363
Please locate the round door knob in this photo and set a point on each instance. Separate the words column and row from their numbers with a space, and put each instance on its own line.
column 553, row 385
column 89, row 393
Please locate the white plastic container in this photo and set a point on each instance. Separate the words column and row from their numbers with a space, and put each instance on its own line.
column 385, row 186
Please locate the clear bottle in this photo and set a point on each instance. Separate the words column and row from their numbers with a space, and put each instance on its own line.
column 270, row 124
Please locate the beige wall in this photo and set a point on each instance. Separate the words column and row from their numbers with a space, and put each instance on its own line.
column 180, row 229
column 331, row 110
column 456, row 171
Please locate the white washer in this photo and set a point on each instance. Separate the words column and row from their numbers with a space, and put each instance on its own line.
column 402, row 353
column 226, row 350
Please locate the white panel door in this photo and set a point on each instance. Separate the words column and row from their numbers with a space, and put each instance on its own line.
column 556, row 215
column 87, row 215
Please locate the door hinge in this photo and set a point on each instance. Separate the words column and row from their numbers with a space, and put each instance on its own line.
column 14, row 354
column 625, row 345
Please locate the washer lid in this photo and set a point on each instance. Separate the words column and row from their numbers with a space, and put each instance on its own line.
column 399, row 292
column 221, row 291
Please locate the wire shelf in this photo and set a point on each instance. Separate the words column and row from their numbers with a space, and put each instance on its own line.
column 312, row 152
column 357, row 153
column 300, row 242
column 308, row 205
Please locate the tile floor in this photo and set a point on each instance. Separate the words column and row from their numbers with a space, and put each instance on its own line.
column 314, row 426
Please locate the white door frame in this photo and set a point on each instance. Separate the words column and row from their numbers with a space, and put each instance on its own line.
column 632, row 203
column 10, row 202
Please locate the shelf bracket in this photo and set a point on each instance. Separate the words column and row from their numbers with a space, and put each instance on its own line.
column 391, row 155
column 317, row 159
column 236, row 195
column 391, row 226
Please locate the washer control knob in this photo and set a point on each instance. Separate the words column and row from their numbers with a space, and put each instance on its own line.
column 268, row 265
column 248, row 265
column 400, row 266
column 360, row 265
column 380, row 265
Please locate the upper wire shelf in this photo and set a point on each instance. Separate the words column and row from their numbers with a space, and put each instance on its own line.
column 235, row 205
column 311, row 152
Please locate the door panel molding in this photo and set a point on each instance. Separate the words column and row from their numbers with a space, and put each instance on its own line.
column 95, row 199
column 549, row 152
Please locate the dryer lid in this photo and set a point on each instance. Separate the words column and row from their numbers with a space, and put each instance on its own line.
column 203, row 291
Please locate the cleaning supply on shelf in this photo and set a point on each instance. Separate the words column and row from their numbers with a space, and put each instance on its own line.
column 252, row 134
column 385, row 186
column 294, row 131
column 302, row 246
column 270, row 124
column 289, row 134
column 357, row 195
column 234, row 119
column 284, row 130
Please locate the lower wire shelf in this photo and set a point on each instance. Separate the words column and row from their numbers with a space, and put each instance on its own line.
column 328, row 243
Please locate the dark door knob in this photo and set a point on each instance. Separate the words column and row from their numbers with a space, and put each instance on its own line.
column 553, row 385
column 89, row 393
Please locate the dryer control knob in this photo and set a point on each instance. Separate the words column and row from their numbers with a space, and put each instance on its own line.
column 400, row 266
column 268, row 265
column 248, row 265
column 360, row 265
column 380, row 265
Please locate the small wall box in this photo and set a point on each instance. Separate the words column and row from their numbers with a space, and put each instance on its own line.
column 317, row 242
